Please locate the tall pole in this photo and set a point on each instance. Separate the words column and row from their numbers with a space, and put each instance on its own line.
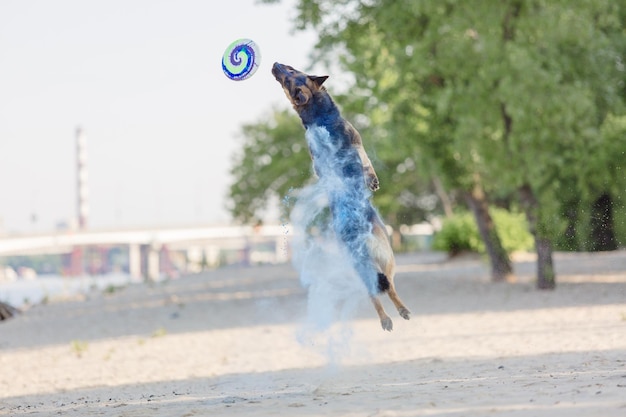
column 82, row 185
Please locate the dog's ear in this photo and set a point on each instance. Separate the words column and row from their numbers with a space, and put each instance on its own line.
column 301, row 98
column 318, row 80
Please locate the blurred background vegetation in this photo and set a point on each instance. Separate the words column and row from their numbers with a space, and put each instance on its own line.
column 512, row 110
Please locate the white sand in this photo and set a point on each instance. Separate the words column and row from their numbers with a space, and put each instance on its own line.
column 232, row 342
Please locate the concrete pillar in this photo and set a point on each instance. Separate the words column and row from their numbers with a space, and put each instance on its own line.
column 134, row 260
column 76, row 262
column 212, row 255
column 166, row 265
column 154, row 267
column 105, row 264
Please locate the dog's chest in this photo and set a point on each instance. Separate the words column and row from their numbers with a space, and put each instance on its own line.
column 332, row 153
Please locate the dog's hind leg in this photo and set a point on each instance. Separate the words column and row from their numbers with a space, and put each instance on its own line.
column 385, row 320
column 393, row 295
column 391, row 290
column 380, row 248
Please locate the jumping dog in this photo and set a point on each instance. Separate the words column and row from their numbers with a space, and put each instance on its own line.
column 338, row 156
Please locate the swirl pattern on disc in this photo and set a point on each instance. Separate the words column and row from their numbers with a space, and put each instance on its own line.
column 241, row 59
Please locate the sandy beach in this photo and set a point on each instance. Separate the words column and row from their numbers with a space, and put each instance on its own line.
column 235, row 341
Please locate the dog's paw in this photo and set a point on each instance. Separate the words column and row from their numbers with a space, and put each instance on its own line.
column 387, row 324
column 372, row 183
column 404, row 313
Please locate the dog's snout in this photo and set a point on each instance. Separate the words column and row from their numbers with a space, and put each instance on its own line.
column 277, row 69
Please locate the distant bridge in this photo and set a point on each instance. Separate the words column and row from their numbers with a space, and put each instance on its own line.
column 149, row 248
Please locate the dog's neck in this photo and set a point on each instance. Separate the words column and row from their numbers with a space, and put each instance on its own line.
column 321, row 110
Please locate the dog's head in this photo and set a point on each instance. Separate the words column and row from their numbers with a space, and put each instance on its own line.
column 299, row 87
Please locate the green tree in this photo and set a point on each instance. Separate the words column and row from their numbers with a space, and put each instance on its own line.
column 512, row 96
column 273, row 159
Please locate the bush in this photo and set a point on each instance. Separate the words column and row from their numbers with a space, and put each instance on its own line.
column 459, row 233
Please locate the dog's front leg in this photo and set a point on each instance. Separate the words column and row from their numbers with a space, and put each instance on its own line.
column 371, row 179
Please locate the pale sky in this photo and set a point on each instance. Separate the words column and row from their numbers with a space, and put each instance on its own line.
column 143, row 79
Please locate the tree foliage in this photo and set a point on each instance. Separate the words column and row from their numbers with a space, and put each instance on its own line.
column 273, row 158
column 523, row 98
column 517, row 91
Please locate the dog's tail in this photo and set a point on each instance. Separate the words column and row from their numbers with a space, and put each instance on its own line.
column 383, row 282
column 375, row 282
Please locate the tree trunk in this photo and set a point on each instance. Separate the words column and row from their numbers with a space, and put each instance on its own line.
column 443, row 196
column 602, row 233
column 570, row 235
column 545, row 270
column 501, row 269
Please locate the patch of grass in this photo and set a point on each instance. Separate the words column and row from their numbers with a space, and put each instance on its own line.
column 112, row 289
column 79, row 347
column 108, row 355
column 160, row 332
